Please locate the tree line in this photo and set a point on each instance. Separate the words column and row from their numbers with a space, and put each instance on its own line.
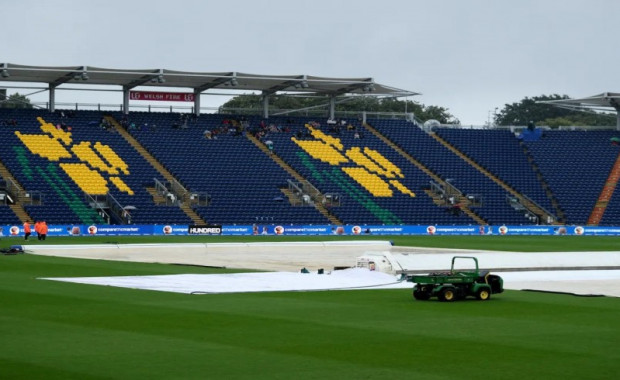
column 355, row 104
column 518, row 113
column 15, row 100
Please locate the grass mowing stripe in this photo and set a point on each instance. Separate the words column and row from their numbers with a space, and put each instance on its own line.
column 386, row 333
column 495, row 242
column 63, row 330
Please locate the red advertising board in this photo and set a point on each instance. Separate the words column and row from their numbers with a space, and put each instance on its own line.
column 162, row 96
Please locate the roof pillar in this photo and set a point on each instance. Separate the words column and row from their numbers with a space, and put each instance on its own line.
column 196, row 102
column 265, row 99
column 52, row 90
column 614, row 103
column 332, row 107
column 126, row 90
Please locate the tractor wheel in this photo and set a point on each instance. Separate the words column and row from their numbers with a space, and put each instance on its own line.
column 483, row 294
column 421, row 295
column 448, row 295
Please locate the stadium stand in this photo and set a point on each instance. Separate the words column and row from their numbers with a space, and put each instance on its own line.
column 611, row 217
column 500, row 152
column 243, row 182
column 371, row 182
column 494, row 210
column 92, row 160
column 7, row 216
column 576, row 165
column 340, row 159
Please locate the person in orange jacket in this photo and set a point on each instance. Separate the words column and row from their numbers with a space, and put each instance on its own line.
column 27, row 230
column 37, row 229
column 43, row 230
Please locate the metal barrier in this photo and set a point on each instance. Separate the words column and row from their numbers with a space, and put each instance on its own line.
column 99, row 203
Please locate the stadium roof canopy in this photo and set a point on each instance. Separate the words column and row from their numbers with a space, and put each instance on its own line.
column 607, row 101
column 197, row 81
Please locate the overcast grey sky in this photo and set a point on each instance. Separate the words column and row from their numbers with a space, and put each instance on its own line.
column 468, row 56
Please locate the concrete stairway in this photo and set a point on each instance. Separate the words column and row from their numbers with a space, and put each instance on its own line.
column 556, row 206
column 462, row 200
column 159, row 167
column 465, row 203
column 320, row 208
column 606, row 193
column 540, row 213
column 18, row 206
column 157, row 198
column 292, row 199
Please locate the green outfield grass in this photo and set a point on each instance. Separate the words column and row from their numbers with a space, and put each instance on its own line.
column 495, row 242
column 55, row 330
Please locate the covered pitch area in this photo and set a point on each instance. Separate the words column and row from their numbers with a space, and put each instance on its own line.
column 583, row 273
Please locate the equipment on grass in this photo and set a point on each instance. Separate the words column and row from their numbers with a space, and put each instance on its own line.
column 14, row 250
column 456, row 284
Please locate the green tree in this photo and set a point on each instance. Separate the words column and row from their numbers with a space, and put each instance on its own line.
column 558, row 122
column 355, row 104
column 15, row 101
column 529, row 109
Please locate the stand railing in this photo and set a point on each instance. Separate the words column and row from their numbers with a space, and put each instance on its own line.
column 307, row 194
column 547, row 217
column 529, row 212
column 15, row 193
column 100, row 204
column 175, row 194
column 123, row 213
column 166, row 191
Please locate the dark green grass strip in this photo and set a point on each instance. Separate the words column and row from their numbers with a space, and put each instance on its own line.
column 496, row 242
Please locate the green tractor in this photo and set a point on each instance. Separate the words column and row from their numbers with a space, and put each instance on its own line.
column 456, row 284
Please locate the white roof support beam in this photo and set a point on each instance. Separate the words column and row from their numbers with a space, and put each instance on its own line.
column 231, row 78
column 156, row 77
column 80, row 73
column 4, row 70
column 300, row 82
column 366, row 86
